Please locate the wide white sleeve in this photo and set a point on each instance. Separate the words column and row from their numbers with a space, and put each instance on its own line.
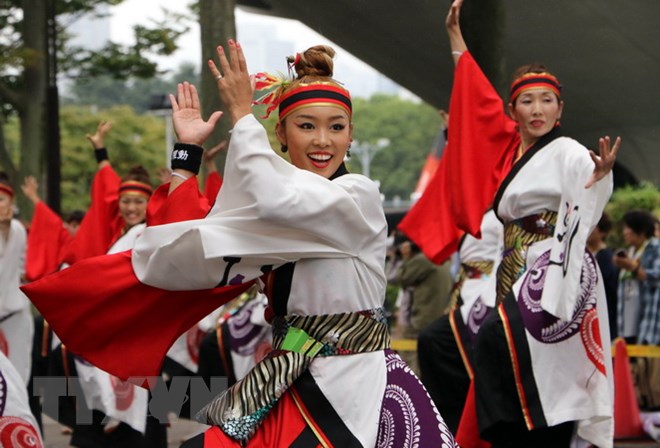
column 268, row 213
column 578, row 214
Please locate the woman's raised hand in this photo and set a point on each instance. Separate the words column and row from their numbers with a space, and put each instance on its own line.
column 604, row 162
column 101, row 130
column 187, row 117
column 235, row 84
column 452, row 22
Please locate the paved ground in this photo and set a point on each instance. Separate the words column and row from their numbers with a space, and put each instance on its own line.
column 53, row 437
column 183, row 429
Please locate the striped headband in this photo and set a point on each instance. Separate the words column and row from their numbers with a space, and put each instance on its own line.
column 534, row 81
column 7, row 189
column 315, row 94
column 135, row 187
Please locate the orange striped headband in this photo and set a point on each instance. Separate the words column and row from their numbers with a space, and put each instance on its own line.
column 135, row 187
column 315, row 94
column 7, row 189
column 534, row 81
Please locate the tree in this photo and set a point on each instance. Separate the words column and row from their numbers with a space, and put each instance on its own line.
column 24, row 68
column 135, row 139
column 217, row 24
column 410, row 128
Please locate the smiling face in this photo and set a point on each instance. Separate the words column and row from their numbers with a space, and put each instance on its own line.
column 317, row 138
column 536, row 111
column 133, row 209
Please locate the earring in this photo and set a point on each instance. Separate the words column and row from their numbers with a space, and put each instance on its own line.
column 284, row 148
column 348, row 151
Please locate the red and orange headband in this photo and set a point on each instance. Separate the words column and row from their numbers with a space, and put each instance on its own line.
column 7, row 190
column 135, row 187
column 317, row 93
column 534, row 81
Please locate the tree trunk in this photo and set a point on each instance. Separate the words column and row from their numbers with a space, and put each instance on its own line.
column 33, row 104
column 217, row 25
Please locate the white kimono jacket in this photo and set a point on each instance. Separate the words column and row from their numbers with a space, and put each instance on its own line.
column 16, row 321
column 335, row 231
column 570, row 349
column 17, row 424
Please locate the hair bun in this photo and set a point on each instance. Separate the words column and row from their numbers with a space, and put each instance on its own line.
column 315, row 61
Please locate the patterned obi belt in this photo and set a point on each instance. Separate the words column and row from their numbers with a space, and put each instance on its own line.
column 519, row 234
column 297, row 340
column 469, row 270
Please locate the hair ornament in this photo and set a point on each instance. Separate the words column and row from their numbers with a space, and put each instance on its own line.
column 270, row 88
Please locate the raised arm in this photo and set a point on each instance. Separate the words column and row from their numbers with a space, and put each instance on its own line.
column 235, row 84
column 96, row 139
column 456, row 41
column 190, row 128
column 30, row 189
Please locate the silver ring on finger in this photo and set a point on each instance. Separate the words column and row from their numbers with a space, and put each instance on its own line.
column 218, row 77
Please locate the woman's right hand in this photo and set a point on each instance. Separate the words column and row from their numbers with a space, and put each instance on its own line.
column 235, row 84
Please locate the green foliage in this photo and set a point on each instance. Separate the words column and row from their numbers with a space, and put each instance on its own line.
column 645, row 196
column 107, row 91
column 411, row 129
column 134, row 140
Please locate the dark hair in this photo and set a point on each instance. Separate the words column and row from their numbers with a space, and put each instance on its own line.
column 4, row 179
column 75, row 216
column 139, row 173
column 604, row 224
column 641, row 222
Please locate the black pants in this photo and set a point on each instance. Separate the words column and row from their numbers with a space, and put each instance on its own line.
column 507, row 435
column 442, row 370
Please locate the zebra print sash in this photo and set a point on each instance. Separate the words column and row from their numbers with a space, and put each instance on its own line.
column 518, row 236
column 468, row 270
column 240, row 410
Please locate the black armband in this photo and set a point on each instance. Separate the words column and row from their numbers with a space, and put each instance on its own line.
column 101, row 154
column 187, row 157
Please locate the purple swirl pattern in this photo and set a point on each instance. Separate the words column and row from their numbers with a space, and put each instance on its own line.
column 245, row 336
column 3, row 394
column 408, row 417
column 476, row 316
column 543, row 326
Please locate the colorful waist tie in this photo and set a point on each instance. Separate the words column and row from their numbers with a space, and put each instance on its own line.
column 297, row 340
column 519, row 234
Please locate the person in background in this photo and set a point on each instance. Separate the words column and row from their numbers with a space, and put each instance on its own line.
column 428, row 286
column 639, row 287
column 598, row 247
column 16, row 323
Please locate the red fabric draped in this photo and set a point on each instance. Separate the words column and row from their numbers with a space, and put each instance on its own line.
column 212, row 186
column 47, row 241
column 479, row 153
column 102, row 224
column 467, row 434
column 103, row 313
